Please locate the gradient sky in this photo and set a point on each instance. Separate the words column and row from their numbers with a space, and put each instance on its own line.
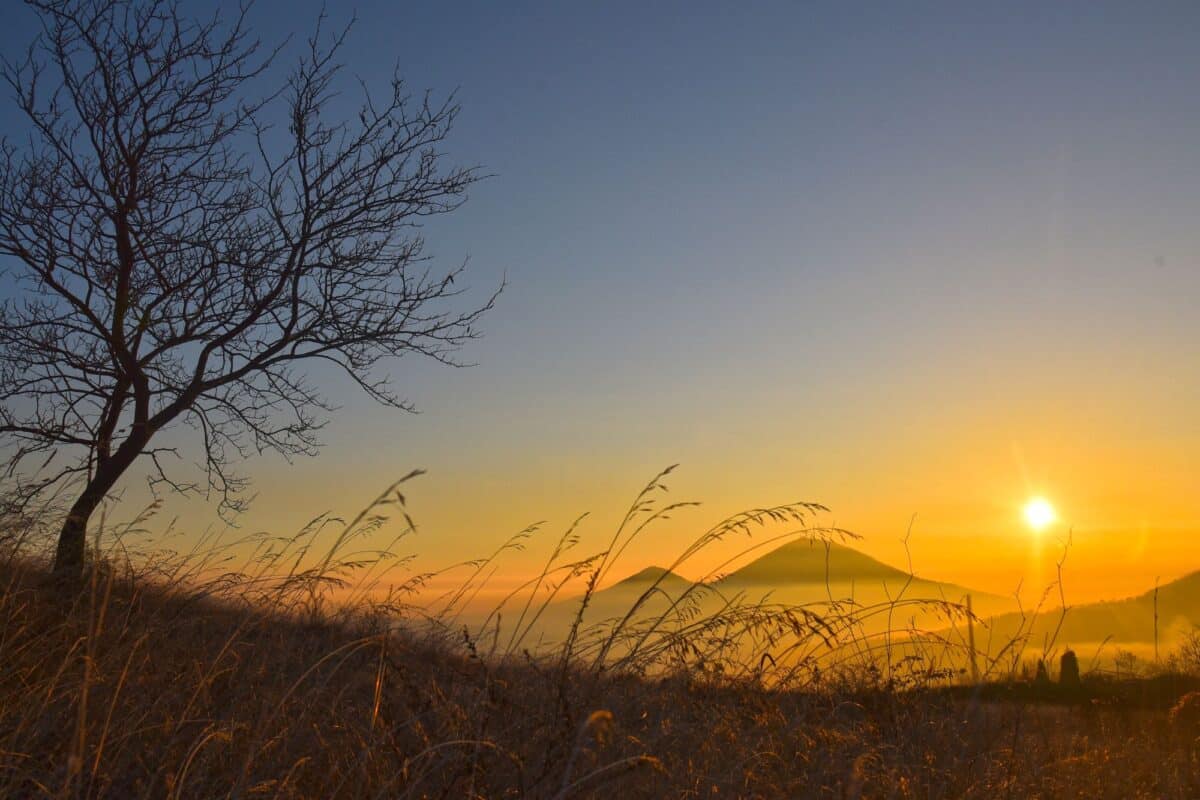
column 901, row 259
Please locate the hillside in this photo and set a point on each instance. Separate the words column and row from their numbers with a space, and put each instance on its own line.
column 192, row 695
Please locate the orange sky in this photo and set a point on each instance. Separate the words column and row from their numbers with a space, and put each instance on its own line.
column 1132, row 522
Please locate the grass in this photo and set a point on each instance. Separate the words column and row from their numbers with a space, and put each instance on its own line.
column 198, row 674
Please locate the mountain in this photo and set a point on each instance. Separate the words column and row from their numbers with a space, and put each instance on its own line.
column 810, row 561
column 807, row 571
column 666, row 579
column 800, row 572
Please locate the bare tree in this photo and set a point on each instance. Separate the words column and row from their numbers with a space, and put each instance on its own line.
column 182, row 255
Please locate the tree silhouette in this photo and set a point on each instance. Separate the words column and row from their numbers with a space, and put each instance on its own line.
column 180, row 252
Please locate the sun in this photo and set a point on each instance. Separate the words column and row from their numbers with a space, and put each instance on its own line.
column 1039, row 513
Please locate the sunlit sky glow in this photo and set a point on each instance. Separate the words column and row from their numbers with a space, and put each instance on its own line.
column 911, row 260
column 1039, row 514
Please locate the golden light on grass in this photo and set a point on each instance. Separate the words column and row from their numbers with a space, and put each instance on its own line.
column 1039, row 513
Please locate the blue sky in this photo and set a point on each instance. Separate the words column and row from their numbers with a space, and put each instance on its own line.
column 855, row 253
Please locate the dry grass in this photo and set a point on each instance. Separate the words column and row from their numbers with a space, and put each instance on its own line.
column 178, row 676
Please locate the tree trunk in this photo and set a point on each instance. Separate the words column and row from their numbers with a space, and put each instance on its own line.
column 72, row 539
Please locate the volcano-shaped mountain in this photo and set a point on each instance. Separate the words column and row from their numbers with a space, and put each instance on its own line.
column 811, row 561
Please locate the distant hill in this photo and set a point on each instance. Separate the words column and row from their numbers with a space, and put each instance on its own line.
column 1128, row 621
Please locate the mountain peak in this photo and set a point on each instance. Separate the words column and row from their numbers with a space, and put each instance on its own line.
column 814, row 561
column 650, row 575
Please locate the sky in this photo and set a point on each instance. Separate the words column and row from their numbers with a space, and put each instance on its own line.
column 916, row 262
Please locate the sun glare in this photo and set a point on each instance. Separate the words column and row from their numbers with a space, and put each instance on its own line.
column 1039, row 513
